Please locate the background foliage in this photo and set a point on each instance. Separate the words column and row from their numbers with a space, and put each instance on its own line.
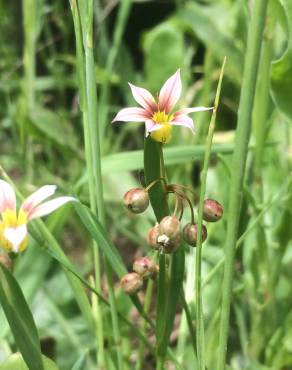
column 41, row 141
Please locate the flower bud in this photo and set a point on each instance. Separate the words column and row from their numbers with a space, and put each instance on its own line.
column 169, row 226
column 144, row 266
column 169, row 245
column 190, row 234
column 6, row 261
column 212, row 210
column 131, row 283
column 136, row 200
column 152, row 236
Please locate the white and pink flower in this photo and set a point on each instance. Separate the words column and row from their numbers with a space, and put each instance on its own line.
column 13, row 224
column 157, row 115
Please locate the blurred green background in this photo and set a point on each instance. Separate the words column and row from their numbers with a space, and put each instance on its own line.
column 41, row 142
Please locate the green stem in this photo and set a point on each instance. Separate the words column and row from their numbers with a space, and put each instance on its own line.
column 94, row 138
column 199, row 309
column 238, row 165
column 252, row 226
column 148, row 297
column 204, row 99
column 117, row 37
column 167, row 298
column 84, row 90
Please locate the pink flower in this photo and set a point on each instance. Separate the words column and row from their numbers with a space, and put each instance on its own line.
column 13, row 226
column 157, row 115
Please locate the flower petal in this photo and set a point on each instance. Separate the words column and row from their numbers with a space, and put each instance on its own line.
column 49, row 207
column 153, row 127
column 183, row 120
column 15, row 236
column 37, row 197
column 193, row 110
column 144, row 98
column 170, row 93
column 7, row 196
column 131, row 115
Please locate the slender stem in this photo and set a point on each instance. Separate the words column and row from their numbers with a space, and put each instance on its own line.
column 238, row 165
column 199, row 308
column 82, row 70
column 122, row 17
column 209, row 64
column 255, row 223
column 148, row 297
column 96, row 158
column 154, row 182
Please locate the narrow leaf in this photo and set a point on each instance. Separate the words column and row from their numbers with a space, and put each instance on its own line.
column 98, row 233
column 20, row 320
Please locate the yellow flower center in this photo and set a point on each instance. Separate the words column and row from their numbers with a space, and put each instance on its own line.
column 163, row 135
column 10, row 219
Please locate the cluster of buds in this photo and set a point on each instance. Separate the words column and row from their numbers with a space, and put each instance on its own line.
column 166, row 235
column 143, row 268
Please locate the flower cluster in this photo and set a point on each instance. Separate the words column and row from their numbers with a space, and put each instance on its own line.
column 13, row 223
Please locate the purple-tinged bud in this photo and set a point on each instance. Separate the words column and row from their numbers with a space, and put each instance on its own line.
column 170, row 227
column 212, row 210
column 136, row 200
column 190, row 234
column 6, row 261
column 152, row 236
column 131, row 283
column 144, row 266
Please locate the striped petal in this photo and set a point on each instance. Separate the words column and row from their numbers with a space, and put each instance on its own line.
column 132, row 115
column 170, row 93
column 183, row 120
column 49, row 207
column 143, row 98
column 152, row 126
column 15, row 236
column 37, row 197
column 7, row 197
column 193, row 110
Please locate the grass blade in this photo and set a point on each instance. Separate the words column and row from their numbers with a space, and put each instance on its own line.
column 20, row 320
column 238, row 164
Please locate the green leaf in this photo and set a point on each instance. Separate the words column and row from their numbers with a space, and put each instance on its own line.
column 173, row 294
column 20, row 320
column 200, row 20
column 153, row 171
column 164, row 53
column 80, row 364
column 16, row 362
column 130, row 161
column 54, row 127
column 98, row 233
column 281, row 71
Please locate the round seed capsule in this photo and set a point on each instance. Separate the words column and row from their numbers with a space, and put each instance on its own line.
column 190, row 234
column 212, row 210
column 169, row 245
column 152, row 236
column 136, row 200
column 144, row 266
column 169, row 226
column 131, row 283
